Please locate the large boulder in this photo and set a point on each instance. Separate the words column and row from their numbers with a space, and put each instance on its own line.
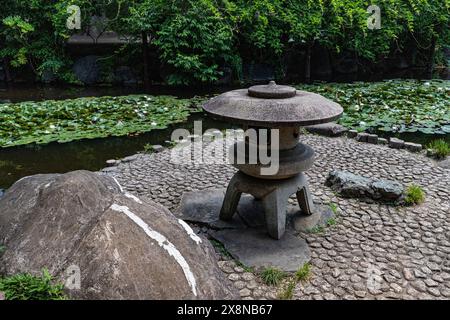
column 353, row 186
column 124, row 247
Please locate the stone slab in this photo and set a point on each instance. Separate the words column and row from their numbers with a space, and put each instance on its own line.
column 305, row 223
column 413, row 147
column 362, row 137
column 204, row 206
column 396, row 143
column 372, row 138
column 329, row 129
column 255, row 248
column 246, row 237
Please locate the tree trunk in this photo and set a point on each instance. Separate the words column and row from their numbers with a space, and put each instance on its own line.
column 430, row 64
column 308, row 64
column 7, row 71
column 145, row 60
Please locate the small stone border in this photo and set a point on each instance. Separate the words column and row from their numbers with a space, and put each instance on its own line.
column 393, row 143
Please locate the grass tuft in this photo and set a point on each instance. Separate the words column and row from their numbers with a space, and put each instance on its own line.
column 272, row 276
column 440, row 148
column 304, row 272
column 288, row 292
column 414, row 195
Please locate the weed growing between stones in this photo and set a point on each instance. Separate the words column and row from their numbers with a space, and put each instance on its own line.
column 272, row 276
column 304, row 272
column 414, row 195
column 288, row 291
column 333, row 207
column 221, row 248
column 28, row 287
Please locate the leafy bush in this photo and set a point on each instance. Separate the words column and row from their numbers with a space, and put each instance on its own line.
column 196, row 38
column 28, row 287
column 414, row 195
column 440, row 148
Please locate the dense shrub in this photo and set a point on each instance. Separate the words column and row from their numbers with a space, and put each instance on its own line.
column 195, row 39
column 28, row 287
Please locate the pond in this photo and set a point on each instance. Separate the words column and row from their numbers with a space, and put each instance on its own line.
column 91, row 154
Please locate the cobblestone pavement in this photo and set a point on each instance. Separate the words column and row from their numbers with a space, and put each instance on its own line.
column 375, row 251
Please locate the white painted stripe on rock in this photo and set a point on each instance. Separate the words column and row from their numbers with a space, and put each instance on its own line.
column 190, row 232
column 117, row 182
column 129, row 195
column 163, row 242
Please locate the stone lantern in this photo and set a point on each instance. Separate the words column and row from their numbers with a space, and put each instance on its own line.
column 271, row 107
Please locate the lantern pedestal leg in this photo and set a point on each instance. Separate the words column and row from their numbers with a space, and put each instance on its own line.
column 274, row 195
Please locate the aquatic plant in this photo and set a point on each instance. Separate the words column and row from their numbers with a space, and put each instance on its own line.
column 87, row 118
column 391, row 106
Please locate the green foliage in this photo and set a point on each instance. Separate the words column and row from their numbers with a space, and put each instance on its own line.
column 414, row 195
column 87, row 118
column 303, row 272
column 196, row 38
column 148, row 148
column 272, row 276
column 333, row 207
column 391, row 106
column 28, row 287
column 220, row 248
column 440, row 148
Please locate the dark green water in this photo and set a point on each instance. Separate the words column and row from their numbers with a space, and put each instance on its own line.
column 18, row 162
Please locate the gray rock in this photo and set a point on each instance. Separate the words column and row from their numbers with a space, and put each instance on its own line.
column 111, row 162
column 354, row 186
column 387, row 190
column 413, row 147
column 87, row 70
column 124, row 75
column 382, row 141
column 349, row 184
column 372, row 138
column 204, row 206
column 130, row 158
column 362, row 137
column 48, row 76
column 396, row 143
column 124, row 247
column 352, row 133
column 329, row 129
column 157, row 148
column 305, row 223
column 255, row 249
column 444, row 163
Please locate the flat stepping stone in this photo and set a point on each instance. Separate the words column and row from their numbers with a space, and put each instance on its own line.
column 254, row 248
column 245, row 237
column 203, row 207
